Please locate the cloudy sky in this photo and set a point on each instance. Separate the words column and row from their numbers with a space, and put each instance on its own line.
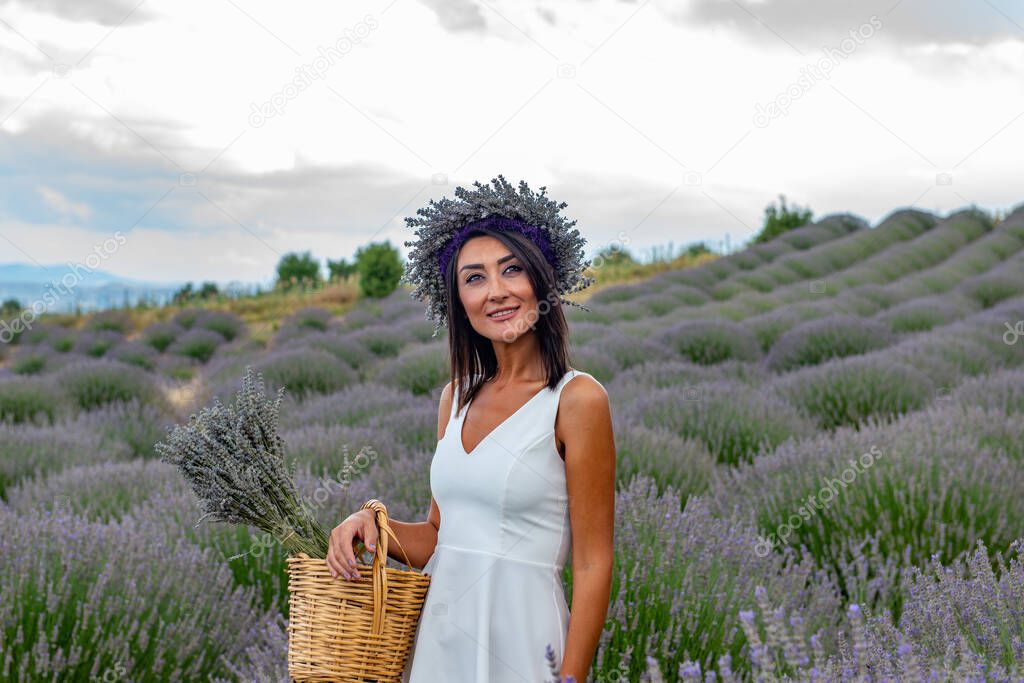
column 212, row 137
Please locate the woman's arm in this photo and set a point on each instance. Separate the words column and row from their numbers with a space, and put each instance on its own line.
column 585, row 420
column 417, row 538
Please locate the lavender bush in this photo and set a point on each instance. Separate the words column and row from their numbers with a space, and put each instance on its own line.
column 93, row 384
column 62, row 340
column 134, row 353
column 226, row 324
column 82, row 599
column 965, row 622
column 819, row 340
column 994, row 288
column 354, row 405
column 381, row 340
column 321, row 448
column 1003, row 391
column 602, row 366
column 684, row 295
column 710, row 341
column 35, row 450
column 414, row 426
column 419, row 370
column 683, row 576
column 732, row 422
column 100, row 492
column 847, row 391
column 685, row 465
column 305, row 372
column 868, row 503
column 29, row 400
column 621, row 352
column 161, row 335
column 32, row 363
column 354, row 355
column 197, row 344
column 926, row 313
column 96, row 343
column 186, row 317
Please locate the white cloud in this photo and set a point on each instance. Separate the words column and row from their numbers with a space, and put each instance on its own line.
column 472, row 90
column 909, row 21
column 62, row 205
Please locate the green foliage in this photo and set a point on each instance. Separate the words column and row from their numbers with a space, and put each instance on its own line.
column 199, row 344
column 697, row 249
column 306, row 371
column 110, row 321
column 91, row 385
column 24, row 400
column 848, row 392
column 160, row 336
column 31, row 364
column 340, row 269
column 707, row 342
column 733, row 423
column 778, row 220
column 298, row 270
column 421, row 371
column 614, row 254
column 380, row 268
column 10, row 307
column 990, row 290
column 187, row 294
column 227, row 325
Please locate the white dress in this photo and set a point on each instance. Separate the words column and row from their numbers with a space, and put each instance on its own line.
column 496, row 599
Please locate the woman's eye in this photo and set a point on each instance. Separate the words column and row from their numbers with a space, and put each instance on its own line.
column 470, row 278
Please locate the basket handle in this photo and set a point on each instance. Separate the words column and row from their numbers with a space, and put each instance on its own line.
column 384, row 530
column 380, row 560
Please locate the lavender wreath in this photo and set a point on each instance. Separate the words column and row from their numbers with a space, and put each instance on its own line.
column 444, row 225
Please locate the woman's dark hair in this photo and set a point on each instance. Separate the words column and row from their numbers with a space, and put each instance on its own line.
column 472, row 355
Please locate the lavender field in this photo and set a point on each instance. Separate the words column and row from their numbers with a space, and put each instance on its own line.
column 820, row 466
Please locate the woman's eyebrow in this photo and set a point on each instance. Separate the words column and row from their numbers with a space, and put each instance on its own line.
column 480, row 265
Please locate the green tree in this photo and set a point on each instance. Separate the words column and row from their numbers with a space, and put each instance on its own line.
column 10, row 307
column 613, row 255
column 184, row 294
column 697, row 249
column 209, row 290
column 782, row 219
column 297, row 269
column 380, row 268
column 188, row 294
column 340, row 269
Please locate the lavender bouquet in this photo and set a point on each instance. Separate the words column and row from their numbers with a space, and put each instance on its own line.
column 233, row 458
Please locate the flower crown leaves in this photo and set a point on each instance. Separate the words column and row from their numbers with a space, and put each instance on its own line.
column 443, row 224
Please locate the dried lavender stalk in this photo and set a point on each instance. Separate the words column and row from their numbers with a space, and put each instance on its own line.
column 233, row 458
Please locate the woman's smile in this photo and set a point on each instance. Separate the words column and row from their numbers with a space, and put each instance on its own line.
column 505, row 313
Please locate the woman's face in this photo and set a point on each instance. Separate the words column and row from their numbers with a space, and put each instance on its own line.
column 490, row 279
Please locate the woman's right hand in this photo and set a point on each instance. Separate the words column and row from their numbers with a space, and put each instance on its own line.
column 341, row 558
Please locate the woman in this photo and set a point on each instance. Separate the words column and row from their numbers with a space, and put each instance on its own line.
column 525, row 462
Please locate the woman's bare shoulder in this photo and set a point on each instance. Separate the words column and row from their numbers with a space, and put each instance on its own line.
column 444, row 409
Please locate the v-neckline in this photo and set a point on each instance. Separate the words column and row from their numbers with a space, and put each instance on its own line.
column 465, row 413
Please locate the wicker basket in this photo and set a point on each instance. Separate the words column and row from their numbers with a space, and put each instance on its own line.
column 356, row 630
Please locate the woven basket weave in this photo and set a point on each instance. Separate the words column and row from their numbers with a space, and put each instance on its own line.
column 356, row 630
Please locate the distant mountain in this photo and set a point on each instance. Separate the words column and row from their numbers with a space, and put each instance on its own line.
column 90, row 290
column 29, row 273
